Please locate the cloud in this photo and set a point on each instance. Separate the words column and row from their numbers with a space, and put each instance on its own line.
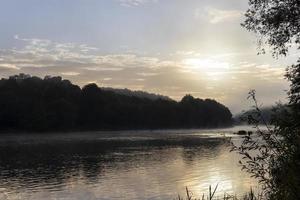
column 41, row 53
column 147, row 74
column 214, row 15
column 102, row 69
column 133, row 3
column 221, row 76
column 71, row 59
column 70, row 73
column 8, row 66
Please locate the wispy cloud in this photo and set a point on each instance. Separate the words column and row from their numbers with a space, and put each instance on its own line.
column 41, row 53
column 214, row 15
column 8, row 66
column 147, row 74
column 70, row 73
column 214, row 76
column 132, row 3
column 71, row 59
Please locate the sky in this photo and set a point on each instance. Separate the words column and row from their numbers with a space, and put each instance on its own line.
column 170, row 47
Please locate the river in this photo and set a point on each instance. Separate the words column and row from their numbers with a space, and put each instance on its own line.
column 120, row 165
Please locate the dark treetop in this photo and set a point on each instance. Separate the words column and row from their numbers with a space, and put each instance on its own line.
column 51, row 104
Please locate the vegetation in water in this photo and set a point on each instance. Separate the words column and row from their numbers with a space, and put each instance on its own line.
column 212, row 196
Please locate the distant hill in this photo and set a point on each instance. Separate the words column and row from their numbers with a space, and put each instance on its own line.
column 137, row 93
column 267, row 113
column 29, row 103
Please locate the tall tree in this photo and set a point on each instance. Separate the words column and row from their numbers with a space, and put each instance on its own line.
column 277, row 164
column 276, row 23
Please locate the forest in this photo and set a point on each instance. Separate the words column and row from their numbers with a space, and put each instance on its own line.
column 29, row 103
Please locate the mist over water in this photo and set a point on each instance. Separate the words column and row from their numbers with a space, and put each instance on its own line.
column 119, row 165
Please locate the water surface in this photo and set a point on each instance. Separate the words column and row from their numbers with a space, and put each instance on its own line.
column 119, row 165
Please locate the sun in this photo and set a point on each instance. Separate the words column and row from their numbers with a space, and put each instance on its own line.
column 215, row 69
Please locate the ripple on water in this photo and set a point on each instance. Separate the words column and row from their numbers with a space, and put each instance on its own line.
column 156, row 165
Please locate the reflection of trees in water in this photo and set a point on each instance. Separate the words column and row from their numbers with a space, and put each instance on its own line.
column 211, row 149
column 44, row 164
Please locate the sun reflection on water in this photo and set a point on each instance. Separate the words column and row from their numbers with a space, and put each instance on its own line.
column 144, row 168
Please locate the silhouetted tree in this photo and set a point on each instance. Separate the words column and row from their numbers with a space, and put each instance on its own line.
column 32, row 103
column 277, row 162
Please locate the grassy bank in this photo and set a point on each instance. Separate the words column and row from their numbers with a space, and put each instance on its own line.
column 212, row 196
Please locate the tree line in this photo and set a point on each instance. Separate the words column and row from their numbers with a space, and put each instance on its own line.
column 267, row 114
column 52, row 104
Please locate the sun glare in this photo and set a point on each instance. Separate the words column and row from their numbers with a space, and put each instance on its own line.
column 212, row 68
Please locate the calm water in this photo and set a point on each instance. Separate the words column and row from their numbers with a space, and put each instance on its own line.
column 119, row 165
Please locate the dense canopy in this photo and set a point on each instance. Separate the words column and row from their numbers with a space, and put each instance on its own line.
column 49, row 104
column 276, row 23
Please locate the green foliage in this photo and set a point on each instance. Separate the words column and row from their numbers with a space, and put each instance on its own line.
column 293, row 75
column 49, row 104
column 272, row 154
column 276, row 160
column 276, row 23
